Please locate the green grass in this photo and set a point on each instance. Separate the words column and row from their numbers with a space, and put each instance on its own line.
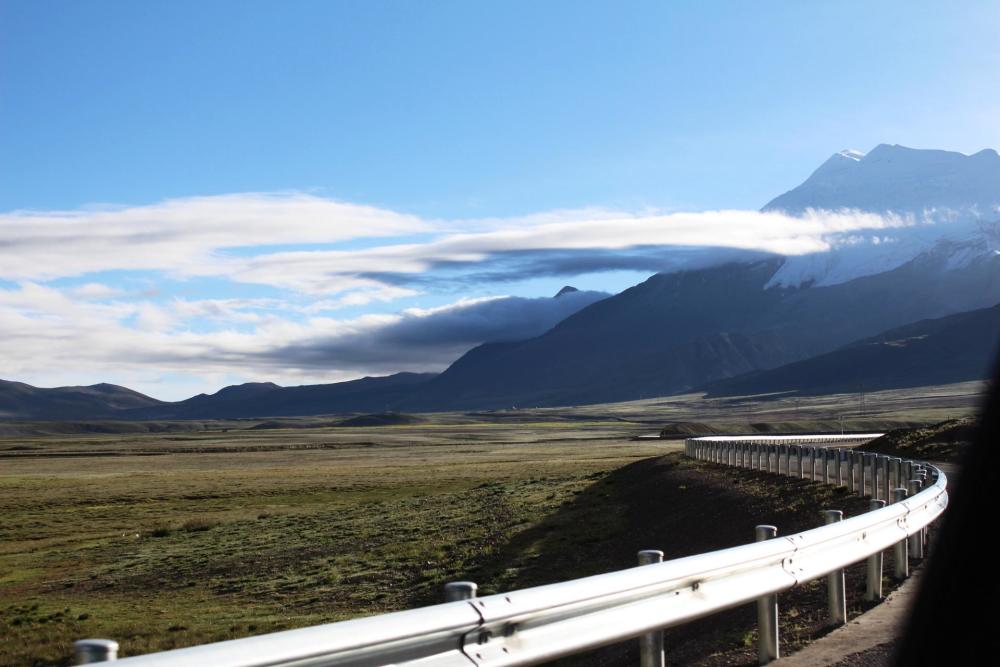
column 165, row 551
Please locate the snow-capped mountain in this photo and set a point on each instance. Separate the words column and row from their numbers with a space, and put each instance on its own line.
column 930, row 252
column 899, row 179
column 932, row 201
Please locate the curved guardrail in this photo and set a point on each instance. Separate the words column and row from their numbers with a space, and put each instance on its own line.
column 530, row 626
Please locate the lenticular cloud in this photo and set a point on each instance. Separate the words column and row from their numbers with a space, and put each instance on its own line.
column 259, row 239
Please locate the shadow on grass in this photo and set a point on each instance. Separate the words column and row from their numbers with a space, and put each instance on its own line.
column 681, row 507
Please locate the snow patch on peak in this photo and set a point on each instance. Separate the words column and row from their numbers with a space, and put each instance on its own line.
column 929, row 202
column 955, row 238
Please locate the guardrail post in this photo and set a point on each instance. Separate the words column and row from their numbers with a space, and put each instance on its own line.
column 788, row 460
column 862, row 457
column 916, row 539
column 799, row 454
column 902, row 570
column 876, row 480
column 886, row 482
column 767, row 611
column 87, row 651
column 838, row 456
column 826, row 465
column 864, row 474
column 651, row 643
column 460, row 590
column 836, row 594
column 873, row 585
column 850, row 471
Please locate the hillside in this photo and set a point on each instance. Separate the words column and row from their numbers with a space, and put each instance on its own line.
column 370, row 394
column 950, row 349
column 682, row 330
column 23, row 401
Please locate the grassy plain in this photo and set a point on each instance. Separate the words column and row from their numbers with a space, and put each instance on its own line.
column 163, row 541
column 172, row 539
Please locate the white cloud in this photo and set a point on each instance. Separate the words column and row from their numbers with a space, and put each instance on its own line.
column 47, row 334
column 181, row 235
column 96, row 291
column 190, row 237
column 108, row 331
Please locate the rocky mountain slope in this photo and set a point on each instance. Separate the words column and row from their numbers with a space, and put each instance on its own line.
column 950, row 349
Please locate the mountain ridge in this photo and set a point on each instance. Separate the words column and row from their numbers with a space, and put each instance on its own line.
column 945, row 350
column 685, row 329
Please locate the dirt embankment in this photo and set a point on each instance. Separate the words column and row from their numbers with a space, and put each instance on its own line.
column 695, row 429
column 945, row 441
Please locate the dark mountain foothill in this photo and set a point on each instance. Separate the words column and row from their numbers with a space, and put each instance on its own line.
column 956, row 348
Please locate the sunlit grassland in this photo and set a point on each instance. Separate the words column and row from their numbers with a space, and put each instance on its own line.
column 159, row 548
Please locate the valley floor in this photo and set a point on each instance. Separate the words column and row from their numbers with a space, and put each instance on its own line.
column 173, row 539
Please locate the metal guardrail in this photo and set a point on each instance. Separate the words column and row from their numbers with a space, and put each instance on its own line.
column 533, row 625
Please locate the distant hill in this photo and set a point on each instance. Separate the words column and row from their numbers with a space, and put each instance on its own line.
column 949, row 349
column 370, row 394
column 22, row 401
column 383, row 419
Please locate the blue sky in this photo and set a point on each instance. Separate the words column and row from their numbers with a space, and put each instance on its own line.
column 401, row 125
